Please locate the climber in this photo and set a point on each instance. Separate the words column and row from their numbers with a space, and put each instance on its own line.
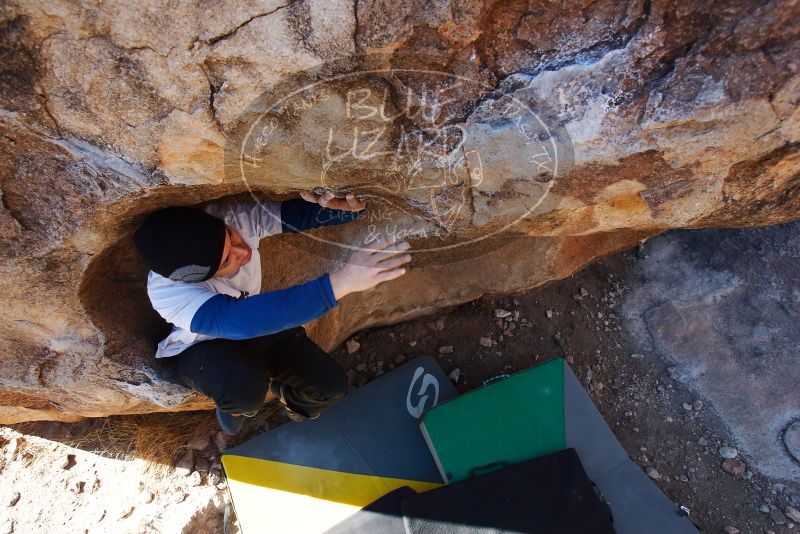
column 233, row 343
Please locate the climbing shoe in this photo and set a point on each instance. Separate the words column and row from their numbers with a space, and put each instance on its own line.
column 278, row 390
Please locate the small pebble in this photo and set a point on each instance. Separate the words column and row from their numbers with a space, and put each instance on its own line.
column 731, row 530
column 68, row 461
column 792, row 513
column 652, row 473
column 76, row 486
column 125, row 511
column 485, row 342
column 734, row 467
column 697, row 405
column 777, row 516
column 361, row 367
column 447, row 349
column 502, row 314
column 352, row 346
column 728, row 452
column 454, row 375
column 637, row 356
column 195, row 479
column 764, row 509
column 687, row 406
column 549, row 314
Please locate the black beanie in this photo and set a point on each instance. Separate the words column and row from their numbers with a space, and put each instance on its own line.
column 183, row 244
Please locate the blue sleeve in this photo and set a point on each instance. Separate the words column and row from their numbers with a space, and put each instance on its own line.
column 298, row 215
column 266, row 313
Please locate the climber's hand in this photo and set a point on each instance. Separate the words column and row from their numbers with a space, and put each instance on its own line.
column 329, row 200
column 365, row 269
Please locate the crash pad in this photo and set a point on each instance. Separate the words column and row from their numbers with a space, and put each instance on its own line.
column 535, row 412
column 547, row 495
column 513, row 419
column 636, row 503
column 312, row 475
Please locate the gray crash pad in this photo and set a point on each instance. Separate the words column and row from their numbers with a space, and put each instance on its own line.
column 636, row 503
column 312, row 475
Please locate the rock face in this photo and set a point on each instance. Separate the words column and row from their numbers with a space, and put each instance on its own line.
column 511, row 141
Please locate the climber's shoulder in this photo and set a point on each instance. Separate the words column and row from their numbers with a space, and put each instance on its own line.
column 176, row 301
column 254, row 219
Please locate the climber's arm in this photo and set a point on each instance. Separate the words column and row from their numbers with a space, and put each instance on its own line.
column 266, row 313
column 313, row 211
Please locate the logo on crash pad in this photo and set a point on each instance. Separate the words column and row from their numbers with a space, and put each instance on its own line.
column 421, row 392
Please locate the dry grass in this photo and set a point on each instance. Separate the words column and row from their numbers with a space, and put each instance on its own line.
column 160, row 444
column 158, row 439
column 112, row 439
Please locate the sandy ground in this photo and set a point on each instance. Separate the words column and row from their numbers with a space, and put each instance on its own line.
column 41, row 492
column 100, row 486
column 688, row 345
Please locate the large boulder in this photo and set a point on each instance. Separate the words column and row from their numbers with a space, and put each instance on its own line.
column 512, row 142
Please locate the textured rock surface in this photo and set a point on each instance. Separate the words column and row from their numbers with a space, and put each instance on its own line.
column 723, row 316
column 672, row 114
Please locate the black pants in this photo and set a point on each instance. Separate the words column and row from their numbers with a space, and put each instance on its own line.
column 235, row 374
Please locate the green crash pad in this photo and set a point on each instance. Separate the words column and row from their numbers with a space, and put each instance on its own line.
column 500, row 424
column 536, row 412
